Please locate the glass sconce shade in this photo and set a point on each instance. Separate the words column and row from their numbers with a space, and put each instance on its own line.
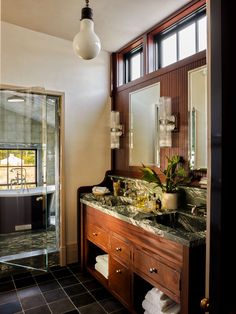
column 116, row 129
column 167, row 121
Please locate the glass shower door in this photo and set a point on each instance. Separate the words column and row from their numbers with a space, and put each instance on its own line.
column 24, row 194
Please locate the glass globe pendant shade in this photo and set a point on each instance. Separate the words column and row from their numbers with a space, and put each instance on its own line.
column 86, row 43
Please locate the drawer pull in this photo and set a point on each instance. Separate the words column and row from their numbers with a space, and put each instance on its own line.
column 153, row 270
column 94, row 234
column 39, row 198
column 118, row 249
column 118, row 271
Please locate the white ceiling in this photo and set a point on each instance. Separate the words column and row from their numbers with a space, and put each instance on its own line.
column 117, row 22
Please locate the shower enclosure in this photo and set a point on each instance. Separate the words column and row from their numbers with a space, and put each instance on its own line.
column 29, row 178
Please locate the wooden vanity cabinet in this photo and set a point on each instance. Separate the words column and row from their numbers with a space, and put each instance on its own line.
column 139, row 259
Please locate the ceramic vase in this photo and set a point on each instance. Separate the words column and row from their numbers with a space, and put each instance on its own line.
column 169, row 201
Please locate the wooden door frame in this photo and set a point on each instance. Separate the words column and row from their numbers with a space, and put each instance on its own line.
column 61, row 95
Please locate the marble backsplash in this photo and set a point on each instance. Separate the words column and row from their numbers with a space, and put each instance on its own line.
column 188, row 195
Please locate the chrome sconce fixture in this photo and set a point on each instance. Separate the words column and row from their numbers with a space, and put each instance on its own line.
column 86, row 43
column 167, row 122
column 117, row 129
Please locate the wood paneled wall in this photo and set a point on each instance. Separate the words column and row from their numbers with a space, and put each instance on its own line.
column 174, row 83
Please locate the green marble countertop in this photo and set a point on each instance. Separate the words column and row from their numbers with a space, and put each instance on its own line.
column 181, row 226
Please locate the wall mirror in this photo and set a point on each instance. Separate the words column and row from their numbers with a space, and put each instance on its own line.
column 197, row 106
column 143, row 135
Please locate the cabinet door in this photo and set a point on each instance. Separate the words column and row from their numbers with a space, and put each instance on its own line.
column 151, row 268
column 120, row 280
column 120, row 248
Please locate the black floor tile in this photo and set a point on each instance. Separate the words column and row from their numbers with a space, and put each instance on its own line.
column 61, row 306
column 70, row 292
column 54, row 295
column 62, row 273
column 101, row 294
column 25, row 282
column 28, row 292
column 82, row 299
column 111, row 305
column 49, row 285
column 7, row 297
column 10, row 308
column 122, row 311
column 44, row 277
column 68, row 281
column 92, row 284
column 55, row 268
column 83, row 277
column 5, row 279
column 39, row 310
column 22, row 275
column 92, row 308
column 75, row 289
column 33, row 301
column 7, row 286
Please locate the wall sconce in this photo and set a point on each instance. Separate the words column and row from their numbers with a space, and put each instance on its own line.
column 167, row 121
column 116, row 129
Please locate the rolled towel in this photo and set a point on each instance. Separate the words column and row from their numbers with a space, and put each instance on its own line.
column 154, row 308
column 102, row 269
column 102, row 258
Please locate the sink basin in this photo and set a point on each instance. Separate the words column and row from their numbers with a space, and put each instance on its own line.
column 181, row 221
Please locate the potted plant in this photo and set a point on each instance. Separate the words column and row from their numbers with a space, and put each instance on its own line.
column 174, row 175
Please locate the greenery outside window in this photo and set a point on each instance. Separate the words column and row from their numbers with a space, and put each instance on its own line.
column 18, row 168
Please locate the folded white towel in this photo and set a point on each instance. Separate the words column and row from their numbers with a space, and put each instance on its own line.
column 154, row 308
column 155, row 300
column 155, row 294
column 102, row 258
column 100, row 190
column 102, row 269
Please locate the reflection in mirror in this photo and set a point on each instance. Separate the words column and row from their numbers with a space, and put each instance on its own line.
column 197, row 90
column 143, row 141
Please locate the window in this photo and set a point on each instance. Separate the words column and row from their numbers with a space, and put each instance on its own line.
column 181, row 40
column 133, row 64
column 18, row 168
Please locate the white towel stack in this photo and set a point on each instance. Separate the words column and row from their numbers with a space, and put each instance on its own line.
column 102, row 265
column 156, row 302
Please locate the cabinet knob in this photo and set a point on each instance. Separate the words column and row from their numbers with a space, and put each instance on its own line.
column 118, row 271
column 95, row 234
column 204, row 304
column 118, row 249
column 153, row 270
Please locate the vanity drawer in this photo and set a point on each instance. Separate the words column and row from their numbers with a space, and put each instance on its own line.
column 119, row 280
column 120, row 248
column 98, row 236
column 152, row 268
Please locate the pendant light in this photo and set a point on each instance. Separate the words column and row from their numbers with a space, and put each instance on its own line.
column 86, row 43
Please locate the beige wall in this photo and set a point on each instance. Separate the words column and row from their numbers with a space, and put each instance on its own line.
column 34, row 59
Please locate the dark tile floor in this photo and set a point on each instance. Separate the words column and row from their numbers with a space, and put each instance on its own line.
column 60, row 290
